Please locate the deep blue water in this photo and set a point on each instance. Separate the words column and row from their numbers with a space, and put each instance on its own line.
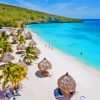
column 73, row 38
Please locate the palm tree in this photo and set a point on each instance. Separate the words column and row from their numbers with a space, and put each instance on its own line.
column 15, row 39
column 3, row 33
column 11, row 34
column 22, row 39
column 4, row 36
column 5, row 47
column 19, row 32
column 30, row 54
column 22, row 25
column 3, row 43
column 12, row 74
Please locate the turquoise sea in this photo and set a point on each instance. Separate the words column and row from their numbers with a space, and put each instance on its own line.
column 74, row 38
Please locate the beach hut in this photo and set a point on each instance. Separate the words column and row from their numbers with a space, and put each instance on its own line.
column 15, row 38
column 32, row 43
column 44, row 65
column 37, row 51
column 28, row 35
column 21, row 63
column 67, row 84
column 20, row 46
column 7, row 58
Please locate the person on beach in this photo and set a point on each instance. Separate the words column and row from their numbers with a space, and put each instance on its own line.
column 81, row 53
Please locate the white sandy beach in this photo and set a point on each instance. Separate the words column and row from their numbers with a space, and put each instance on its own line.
column 35, row 88
column 87, row 79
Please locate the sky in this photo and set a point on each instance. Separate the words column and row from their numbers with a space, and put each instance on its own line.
column 68, row 8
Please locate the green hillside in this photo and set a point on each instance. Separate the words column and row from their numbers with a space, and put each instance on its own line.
column 17, row 16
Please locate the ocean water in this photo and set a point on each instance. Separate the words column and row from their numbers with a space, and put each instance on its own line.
column 74, row 38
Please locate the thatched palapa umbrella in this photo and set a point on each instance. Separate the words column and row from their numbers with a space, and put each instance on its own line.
column 37, row 51
column 28, row 35
column 15, row 38
column 32, row 43
column 21, row 29
column 7, row 58
column 66, row 84
column 20, row 46
column 44, row 65
column 21, row 63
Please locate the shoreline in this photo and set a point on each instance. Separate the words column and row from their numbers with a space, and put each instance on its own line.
column 56, row 50
column 87, row 79
column 37, row 88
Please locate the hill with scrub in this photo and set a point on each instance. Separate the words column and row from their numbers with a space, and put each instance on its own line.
column 16, row 16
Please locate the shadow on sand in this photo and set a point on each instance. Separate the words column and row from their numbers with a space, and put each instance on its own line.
column 13, row 42
column 20, row 52
column 68, row 97
column 39, row 74
column 0, row 60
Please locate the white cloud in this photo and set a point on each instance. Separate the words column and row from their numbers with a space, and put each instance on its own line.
column 85, row 12
column 48, row 8
column 70, row 10
column 27, row 4
column 60, row 6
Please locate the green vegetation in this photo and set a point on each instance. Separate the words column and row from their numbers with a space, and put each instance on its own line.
column 18, row 17
column 30, row 54
column 19, row 32
column 12, row 73
column 5, row 46
column 22, row 39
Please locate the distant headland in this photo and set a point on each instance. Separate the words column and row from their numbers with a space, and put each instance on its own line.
column 13, row 16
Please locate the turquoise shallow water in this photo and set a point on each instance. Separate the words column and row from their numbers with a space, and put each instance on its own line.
column 73, row 38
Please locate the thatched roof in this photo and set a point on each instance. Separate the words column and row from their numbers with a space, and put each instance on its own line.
column 44, row 65
column 7, row 58
column 37, row 51
column 32, row 43
column 21, row 63
column 28, row 35
column 21, row 29
column 15, row 38
column 20, row 46
column 66, row 83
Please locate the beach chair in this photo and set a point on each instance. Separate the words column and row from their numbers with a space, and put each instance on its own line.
column 9, row 95
column 58, row 94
